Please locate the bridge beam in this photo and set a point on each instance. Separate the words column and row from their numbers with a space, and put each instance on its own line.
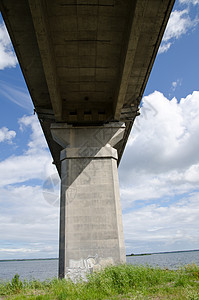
column 91, row 231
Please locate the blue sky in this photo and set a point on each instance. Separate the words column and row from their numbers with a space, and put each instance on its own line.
column 159, row 172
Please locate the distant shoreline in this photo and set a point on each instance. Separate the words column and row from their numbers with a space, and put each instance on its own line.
column 138, row 254
column 27, row 259
column 165, row 252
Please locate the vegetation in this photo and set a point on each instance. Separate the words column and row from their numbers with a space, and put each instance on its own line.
column 120, row 282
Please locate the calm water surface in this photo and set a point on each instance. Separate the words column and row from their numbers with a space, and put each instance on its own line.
column 166, row 260
column 29, row 269
column 44, row 269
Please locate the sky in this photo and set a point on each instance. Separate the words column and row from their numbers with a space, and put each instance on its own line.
column 159, row 171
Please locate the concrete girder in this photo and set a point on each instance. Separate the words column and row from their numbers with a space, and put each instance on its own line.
column 128, row 56
column 40, row 21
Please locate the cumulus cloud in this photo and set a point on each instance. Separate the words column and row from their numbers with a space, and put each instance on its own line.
column 168, row 139
column 179, row 24
column 7, row 56
column 6, row 135
column 159, row 172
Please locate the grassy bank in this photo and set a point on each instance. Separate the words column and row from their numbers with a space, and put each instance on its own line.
column 121, row 282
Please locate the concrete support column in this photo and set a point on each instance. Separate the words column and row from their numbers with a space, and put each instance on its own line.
column 91, row 231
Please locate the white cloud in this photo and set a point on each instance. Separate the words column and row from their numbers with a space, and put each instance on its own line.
column 167, row 139
column 158, row 174
column 164, row 47
column 29, row 223
column 194, row 2
column 19, row 250
column 172, row 227
column 7, row 56
column 35, row 161
column 176, row 84
column 37, row 140
column 6, row 135
column 17, row 95
column 179, row 24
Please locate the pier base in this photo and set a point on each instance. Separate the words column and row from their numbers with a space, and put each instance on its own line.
column 91, row 231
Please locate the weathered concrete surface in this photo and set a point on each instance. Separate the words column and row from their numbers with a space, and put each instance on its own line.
column 91, row 232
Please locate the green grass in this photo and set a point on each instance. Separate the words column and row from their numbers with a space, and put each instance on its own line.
column 116, row 282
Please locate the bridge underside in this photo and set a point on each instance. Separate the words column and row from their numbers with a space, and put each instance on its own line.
column 86, row 65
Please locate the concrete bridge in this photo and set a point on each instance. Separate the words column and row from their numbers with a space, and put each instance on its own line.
column 86, row 64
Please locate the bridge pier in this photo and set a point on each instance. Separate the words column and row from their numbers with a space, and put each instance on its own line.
column 91, row 231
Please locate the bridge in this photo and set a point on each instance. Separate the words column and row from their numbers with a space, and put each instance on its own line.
column 86, row 64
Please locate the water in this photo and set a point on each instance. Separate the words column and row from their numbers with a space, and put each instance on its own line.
column 46, row 269
column 29, row 269
column 166, row 260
